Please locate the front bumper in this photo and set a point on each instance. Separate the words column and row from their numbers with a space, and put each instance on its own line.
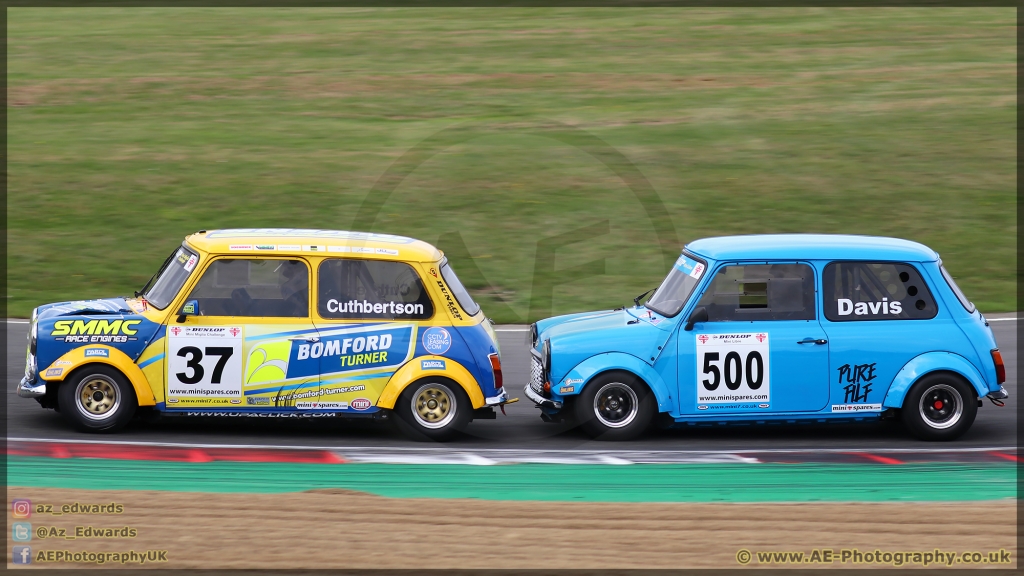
column 28, row 389
column 1000, row 394
column 540, row 400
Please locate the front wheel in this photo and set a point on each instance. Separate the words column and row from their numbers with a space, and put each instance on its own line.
column 939, row 407
column 97, row 399
column 615, row 406
column 433, row 410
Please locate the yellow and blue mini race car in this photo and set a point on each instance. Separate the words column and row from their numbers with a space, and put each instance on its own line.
column 282, row 323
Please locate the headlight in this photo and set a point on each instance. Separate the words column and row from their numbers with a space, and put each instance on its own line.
column 545, row 355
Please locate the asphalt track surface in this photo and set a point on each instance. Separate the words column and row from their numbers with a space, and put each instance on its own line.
column 521, row 428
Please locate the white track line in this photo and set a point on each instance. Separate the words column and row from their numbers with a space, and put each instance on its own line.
column 1001, row 319
column 499, row 451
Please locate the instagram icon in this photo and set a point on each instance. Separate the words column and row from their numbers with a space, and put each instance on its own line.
column 21, row 508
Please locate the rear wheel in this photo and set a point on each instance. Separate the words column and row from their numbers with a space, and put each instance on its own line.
column 433, row 410
column 615, row 406
column 940, row 406
column 97, row 398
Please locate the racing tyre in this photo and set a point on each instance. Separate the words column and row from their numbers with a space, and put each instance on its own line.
column 97, row 398
column 433, row 409
column 940, row 406
column 615, row 406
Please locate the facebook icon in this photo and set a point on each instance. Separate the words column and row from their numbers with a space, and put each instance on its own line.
column 22, row 555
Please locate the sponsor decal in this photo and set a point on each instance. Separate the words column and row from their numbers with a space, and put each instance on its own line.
column 848, row 307
column 95, row 331
column 97, row 352
column 365, row 307
column 338, row 249
column 690, row 267
column 388, row 251
column 702, row 407
column 858, row 379
column 436, row 340
column 572, row 381
column 361, row 404
column 235, row 400
column 265, row 247
column 323, row 392
column 448, row 301
column 191, row 262
column 433, row 272
column 289, row 248
column 189, row 308
column 733, row 369
column 432, row 365
column 54, row 371
column 361, row 250
column 314, row 248
column 348, row 351
column 322, row 405
column 240, row 247
column 257, row 400
column 62, row 363
column 566, row 389
column 856, row 407
column 172, row 400
column 764, row 405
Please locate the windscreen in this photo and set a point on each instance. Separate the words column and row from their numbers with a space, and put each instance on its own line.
column 171, row 278
column 671, row 296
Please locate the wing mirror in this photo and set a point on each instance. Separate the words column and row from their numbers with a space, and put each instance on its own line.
column 191, row 308
column 699, row 314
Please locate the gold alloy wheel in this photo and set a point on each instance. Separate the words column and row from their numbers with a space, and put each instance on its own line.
column 434, row 405
column 97, row 397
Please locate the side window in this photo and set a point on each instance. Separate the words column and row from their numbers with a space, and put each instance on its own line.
column 760, row 292
column 875, row 291
column 254, row 287
column 371, row 289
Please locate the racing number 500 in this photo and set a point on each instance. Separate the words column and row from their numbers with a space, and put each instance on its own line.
column 733, row 370
column 195, row 357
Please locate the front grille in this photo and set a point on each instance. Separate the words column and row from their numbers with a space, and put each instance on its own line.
column 536, row 373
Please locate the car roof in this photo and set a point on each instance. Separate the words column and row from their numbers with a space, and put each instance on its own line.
column 811, row 247
column 339, row 243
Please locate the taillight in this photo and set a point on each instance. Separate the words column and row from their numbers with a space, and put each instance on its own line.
column 1000, row 369
column 496, row 368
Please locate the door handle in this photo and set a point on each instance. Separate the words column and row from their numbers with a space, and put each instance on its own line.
column 304, row 339
column 812, row 341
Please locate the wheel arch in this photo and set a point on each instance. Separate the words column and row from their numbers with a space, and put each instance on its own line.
column 413, row 371
column 601, row 364
column 74, row 360
column 930, row 363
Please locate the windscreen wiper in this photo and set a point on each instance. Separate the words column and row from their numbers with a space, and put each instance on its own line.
column 640, row 297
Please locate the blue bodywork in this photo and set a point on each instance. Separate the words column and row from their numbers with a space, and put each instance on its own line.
column 818, row 369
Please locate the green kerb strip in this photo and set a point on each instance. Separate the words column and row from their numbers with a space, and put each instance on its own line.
column 552, row 482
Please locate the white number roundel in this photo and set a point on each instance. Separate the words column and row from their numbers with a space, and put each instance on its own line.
column 733, row 368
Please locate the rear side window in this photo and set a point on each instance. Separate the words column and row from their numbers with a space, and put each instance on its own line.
column 458, row 290
column 371, row 289
column 760, row 292
column 875, row 291
column 254, row 287
column 956, row 290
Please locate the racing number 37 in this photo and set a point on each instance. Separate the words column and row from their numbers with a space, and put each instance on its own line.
column 733, row 368
column 194, row 363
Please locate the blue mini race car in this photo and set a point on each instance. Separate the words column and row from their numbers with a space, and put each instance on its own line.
column 776, row 328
